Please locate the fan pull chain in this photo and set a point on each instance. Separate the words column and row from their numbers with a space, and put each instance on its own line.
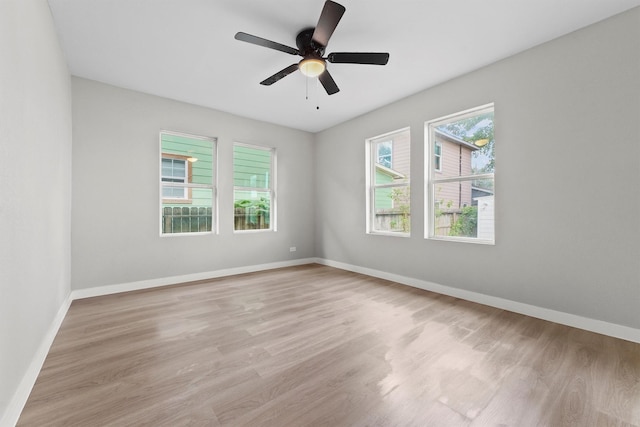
column 317, row 96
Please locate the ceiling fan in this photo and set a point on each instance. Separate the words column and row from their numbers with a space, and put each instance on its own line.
column 312, row 43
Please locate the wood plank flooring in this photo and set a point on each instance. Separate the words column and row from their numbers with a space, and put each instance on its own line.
column 318, row 346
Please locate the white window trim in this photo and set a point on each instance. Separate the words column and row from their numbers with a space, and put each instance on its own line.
column 272, row 189
column 213, row 186
column 371, row 157
column 431, row 180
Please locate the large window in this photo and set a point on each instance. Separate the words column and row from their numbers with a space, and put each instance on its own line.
column 388, row 190
column 187, row 184
column 460, row 176
column 253, row 187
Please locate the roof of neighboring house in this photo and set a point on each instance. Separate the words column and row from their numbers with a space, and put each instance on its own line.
column 394, row 173
column 452, row 138
column 479, row 190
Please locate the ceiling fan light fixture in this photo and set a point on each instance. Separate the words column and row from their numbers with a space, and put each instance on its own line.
column 312, row 67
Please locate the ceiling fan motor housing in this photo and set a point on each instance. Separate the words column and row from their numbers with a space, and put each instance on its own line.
column 306, row 45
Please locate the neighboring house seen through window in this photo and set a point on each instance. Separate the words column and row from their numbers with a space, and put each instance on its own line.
column 460, row 176
column 388, row 183
column 187, row 183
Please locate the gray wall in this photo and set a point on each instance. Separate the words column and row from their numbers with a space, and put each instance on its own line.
column 567, row 175
column 35, row 190
column 115, row 222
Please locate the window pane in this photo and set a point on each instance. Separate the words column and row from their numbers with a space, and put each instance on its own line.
column 392, row 158
column 167, row 167
column 174, row 192
column 384, row 151
column 251, row 167
column 453, row 195
column 392, row 209
column 174, row 168
column 252, row 210
column 195, row 217
column 188, row 153
column 463, row 210
column 179, row 168
column 466, row 146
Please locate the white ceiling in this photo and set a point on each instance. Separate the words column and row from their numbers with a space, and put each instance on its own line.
column 185, row 49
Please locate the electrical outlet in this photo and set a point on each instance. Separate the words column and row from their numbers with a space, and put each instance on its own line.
column 292, row 249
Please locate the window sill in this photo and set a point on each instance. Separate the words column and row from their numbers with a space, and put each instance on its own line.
column 389, row 233
column 177, row 201
column 462, row 240
column 188, row 233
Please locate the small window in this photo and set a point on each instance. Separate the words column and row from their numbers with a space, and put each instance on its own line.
column 388, row 183
column 460, row 176
column 187, row 182
column 174, row 170
column 253, row 187
column 385, row 153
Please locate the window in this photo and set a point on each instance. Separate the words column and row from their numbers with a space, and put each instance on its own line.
column 388, row 190
column 253, row 187
column 437, row 156
column 385, row 153
column 187, row 184
column 174, row 170
column 460, row 176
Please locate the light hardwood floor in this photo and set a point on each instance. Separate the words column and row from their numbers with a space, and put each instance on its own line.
column 317, row 346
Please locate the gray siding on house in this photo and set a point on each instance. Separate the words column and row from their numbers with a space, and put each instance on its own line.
column 402, row 153
column 456, row 161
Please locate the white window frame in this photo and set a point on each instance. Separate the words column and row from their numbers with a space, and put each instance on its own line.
column 271, row 189
column 189, row 185
column 431, row 180
column 371, row 158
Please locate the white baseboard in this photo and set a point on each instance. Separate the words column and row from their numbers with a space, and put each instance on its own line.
column 593, row 325
column 14, row 409
column 172, row 280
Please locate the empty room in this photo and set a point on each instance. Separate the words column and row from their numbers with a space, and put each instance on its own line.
column 319, row 213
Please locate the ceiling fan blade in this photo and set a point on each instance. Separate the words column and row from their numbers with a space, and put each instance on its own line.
column 328, row 83
column 331, row 14
column 280, row 74
column 358, row 58
column 265, row 43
